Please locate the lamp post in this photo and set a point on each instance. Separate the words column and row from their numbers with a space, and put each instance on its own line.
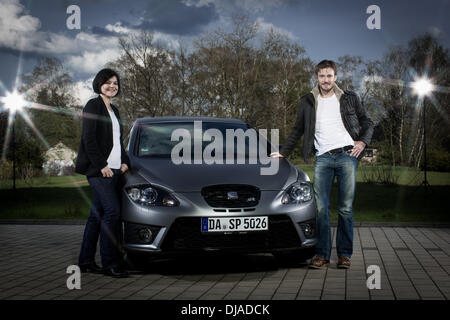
column 423, row 87
column 13, row 102
column 14, row 151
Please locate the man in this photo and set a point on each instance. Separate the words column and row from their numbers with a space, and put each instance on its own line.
column 336, row 130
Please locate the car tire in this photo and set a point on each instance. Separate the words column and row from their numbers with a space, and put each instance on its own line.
column 294, row 257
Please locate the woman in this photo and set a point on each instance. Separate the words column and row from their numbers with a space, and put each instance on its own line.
column 102, row 158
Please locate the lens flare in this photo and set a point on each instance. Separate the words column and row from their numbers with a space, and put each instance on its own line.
column 13, row 101
column 422, row 87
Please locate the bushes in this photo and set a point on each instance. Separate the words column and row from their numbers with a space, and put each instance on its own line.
column 380, row 174
column 26, row 173
column 437, row 161
column 6, row 173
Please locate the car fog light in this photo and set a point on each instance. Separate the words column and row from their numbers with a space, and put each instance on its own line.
column 308, row 229
column 145, row 234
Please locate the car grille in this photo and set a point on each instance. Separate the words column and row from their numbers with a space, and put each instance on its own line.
column 218, row 196
column 185, row 234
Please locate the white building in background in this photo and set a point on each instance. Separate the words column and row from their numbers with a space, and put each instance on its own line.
column 59, row 160
column 370, row 156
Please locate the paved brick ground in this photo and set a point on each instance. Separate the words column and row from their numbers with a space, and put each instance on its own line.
column 414, row 263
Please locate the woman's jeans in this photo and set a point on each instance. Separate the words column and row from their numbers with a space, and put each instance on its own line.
column 103, row 221
column 328, row 166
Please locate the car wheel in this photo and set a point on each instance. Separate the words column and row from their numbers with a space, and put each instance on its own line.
column 294, row 257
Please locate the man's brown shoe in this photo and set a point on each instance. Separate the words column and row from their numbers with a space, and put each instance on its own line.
column 343, row 262
column 318, row 262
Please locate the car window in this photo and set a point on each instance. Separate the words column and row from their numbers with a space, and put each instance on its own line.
column 155, row 138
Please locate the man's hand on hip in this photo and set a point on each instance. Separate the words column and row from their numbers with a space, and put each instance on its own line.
column 358, row 148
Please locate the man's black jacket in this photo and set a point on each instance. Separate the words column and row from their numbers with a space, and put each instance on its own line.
column 97, row 139
column 354, row 116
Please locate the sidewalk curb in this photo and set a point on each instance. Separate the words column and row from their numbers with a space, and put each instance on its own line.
column 333, row 224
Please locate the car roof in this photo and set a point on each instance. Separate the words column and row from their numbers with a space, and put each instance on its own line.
column 186, row 119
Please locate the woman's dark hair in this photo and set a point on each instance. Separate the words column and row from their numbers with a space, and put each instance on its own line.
column 101, row 78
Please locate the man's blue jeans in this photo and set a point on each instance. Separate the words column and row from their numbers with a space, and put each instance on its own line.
column 328, row 166
column 103, row 222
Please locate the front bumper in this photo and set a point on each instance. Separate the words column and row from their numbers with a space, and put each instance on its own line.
column 177, row 230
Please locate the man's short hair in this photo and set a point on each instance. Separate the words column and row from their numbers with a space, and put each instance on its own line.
column 101, row 78
column 326, row 64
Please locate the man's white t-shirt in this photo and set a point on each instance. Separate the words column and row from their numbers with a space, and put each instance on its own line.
column 330, row 131
column 115, row 157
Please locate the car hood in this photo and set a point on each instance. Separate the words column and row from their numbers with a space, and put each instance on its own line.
column 193, row 177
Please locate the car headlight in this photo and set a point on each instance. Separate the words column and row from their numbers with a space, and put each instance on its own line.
column 298, row 192
column 151, row 196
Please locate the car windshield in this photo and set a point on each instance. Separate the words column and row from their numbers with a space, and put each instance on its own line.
column 155, row 139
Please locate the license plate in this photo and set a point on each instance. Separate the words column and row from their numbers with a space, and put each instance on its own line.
column 235, row 224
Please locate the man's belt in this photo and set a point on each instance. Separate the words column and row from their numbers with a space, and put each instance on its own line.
column 340, row 150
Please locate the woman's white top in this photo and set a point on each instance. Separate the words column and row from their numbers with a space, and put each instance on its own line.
column 115, row 157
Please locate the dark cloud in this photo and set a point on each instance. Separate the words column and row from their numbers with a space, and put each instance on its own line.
column 174, row 17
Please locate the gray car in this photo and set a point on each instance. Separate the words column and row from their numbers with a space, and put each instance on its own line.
column 172, row 209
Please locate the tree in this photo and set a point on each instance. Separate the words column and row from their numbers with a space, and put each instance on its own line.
column 429, row 58
column 229, row 67
column 253, row 75
column 145, row 68
column 50, row 85
column 350, row 71
column 288, row 73
column 52, row 119
column 396, row 103
column 246, row 74
column 400, row 113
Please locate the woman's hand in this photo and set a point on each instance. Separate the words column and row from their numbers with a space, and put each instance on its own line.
column 123, row 168
column 107, row 172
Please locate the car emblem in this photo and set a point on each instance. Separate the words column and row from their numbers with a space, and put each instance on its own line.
column 232, row 195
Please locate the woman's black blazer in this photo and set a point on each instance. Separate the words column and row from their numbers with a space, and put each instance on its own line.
column 97, row 139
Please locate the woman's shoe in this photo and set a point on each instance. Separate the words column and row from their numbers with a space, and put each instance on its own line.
column 91, row 267
column 115, row 272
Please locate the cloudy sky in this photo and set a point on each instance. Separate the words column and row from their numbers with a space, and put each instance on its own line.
column 327, row 29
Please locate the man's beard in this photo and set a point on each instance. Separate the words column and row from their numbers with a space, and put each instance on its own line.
column 325, row 91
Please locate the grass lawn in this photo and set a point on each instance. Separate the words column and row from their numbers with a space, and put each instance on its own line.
column 46, row 198
column 404, row 201
column 405, row 176
column 46, row 182
column 63, row 198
